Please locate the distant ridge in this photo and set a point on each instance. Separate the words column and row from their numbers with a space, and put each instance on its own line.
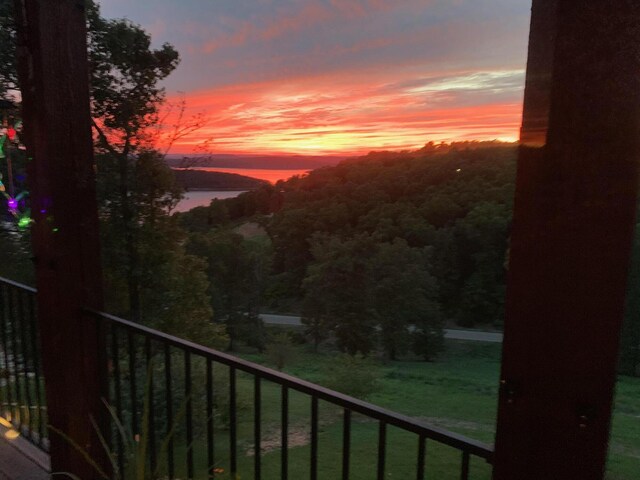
column 201, row 180
column 264, row 162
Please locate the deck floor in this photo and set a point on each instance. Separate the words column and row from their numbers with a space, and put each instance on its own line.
column 20, row 460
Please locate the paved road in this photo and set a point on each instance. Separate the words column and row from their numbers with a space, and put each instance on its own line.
column 280, row 319
column 493, row 337
column 472, row 335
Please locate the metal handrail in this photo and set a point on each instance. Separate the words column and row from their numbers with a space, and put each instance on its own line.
column 127, row 342
column 22, row 401
column 405, row 422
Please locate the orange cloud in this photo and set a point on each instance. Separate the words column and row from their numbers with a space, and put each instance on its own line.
column 343, row 116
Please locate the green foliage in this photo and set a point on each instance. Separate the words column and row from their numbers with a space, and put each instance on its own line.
column 353, row 375
column 427, row 338
column 172, row 284
column 377, row 251
column 237, row 269
column 280, row 350
column 481, row 241
column 15, row 254
column 405, row 299
column 356, row 289
column 8, row 80
column 125, row 72
column 630, row 338
column 135, row 445
column 456, row 200
column 338, row 286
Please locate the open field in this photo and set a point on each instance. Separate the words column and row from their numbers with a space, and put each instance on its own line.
column 458, row 393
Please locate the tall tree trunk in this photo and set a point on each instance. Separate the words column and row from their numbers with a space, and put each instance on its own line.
column 129, row 221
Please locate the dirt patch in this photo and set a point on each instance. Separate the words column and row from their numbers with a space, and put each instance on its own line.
column 298, row 437
column 452, row 424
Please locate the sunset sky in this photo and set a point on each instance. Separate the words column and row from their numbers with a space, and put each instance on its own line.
column 341, row 76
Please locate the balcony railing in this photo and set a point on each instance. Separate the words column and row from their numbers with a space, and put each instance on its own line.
column 22, row 400
column 206, row 414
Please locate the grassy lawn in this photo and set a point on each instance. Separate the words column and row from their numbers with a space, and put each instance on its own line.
column 458, row 393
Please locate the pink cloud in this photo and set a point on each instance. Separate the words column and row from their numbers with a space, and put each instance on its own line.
column 310, row 14
column 341, row 115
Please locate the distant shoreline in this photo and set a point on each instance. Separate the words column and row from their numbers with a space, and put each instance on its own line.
column 219, row 189
column 221, row 178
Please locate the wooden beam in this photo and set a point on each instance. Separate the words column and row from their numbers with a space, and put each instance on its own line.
column 53, row 73
column 571, row 240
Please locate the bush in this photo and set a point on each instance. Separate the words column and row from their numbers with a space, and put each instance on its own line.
column 280, row 351
column 353, row 375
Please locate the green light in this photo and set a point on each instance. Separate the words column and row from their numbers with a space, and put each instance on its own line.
column 24, row 222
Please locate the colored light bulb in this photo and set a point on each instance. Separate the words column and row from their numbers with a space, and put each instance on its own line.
column 24, row 222
column 13, row 203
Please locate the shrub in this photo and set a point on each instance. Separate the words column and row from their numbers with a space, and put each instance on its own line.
column 280, row 351
column 353, row 375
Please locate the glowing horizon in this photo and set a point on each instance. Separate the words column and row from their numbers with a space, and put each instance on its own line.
column 341, row 77
column 353, row 117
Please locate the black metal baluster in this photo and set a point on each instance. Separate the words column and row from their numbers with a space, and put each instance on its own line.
column 25, row 361
column 169, row 405
column 189, row 416
column 132, row 383
column 382, row 441
column 19, row 338
column 104, row 372
column 422, row 444
column 115, row 358
column 314, row 438
column 464, row 475
column 36, row 367
column 210, row 447
column 233, row 434
column 284, row 460
column 151, row 427
column 346, row 444
column 257, row 435
column 5, row 349
column 14, row 354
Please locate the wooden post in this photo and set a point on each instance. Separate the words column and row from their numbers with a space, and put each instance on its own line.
column 53, row 73
column 571, row 240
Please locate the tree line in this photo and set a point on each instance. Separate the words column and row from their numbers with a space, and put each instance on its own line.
column 376, row 252
column 380, row 251
column 148, row 275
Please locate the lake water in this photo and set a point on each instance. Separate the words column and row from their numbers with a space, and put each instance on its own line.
column 202, row 198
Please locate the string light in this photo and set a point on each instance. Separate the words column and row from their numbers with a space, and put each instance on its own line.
column 9, row 135
column 24, row 221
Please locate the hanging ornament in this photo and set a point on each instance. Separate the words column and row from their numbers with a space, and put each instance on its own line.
column 3, row 140
column 24, row 221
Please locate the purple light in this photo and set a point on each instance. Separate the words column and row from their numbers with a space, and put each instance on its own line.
column 13, row 204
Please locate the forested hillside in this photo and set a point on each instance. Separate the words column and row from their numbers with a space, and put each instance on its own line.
column 373, row 246
column 379, row 251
